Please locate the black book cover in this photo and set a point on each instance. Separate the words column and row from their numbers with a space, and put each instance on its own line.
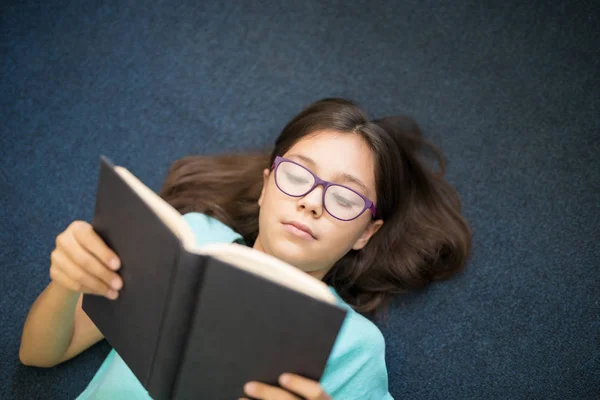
column 190, row 326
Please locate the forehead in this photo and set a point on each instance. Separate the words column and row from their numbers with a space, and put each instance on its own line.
column 336, row 153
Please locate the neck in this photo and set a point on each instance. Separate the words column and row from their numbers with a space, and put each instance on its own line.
column 319, row 274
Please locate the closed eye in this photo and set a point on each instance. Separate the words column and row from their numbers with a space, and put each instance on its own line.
column 343, row 201
column 295, row 178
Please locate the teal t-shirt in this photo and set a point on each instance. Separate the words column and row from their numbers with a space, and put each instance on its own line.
column 355, row 368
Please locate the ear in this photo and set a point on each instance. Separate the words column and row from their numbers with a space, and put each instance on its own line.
column 266, row 174
column 367, row 234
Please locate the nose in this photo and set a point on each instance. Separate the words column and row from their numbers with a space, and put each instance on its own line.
column 312, row 202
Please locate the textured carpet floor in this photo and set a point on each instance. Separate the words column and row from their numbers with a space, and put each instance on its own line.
column 508, row 90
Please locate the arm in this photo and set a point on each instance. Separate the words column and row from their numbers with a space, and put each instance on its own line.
column 57, row 329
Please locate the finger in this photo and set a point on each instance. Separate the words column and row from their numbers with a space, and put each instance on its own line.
column 263, row 391
column 83, row 281
column 305, row 387
column 89, row 239
column 87, row 261
column 60, row 277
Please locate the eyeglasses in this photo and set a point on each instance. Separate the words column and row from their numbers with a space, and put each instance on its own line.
column 339, row 201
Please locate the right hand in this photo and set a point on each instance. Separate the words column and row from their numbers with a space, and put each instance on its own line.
column 83, row 263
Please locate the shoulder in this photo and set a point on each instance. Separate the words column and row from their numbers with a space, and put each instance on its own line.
column 358, row 332
column 210, row 230
column 356, row 367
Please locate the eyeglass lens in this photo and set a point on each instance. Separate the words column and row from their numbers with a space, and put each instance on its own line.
column 340, row 202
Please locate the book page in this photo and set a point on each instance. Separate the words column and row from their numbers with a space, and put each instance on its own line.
column 268, row 267
column 240, row 256
column 170, row 216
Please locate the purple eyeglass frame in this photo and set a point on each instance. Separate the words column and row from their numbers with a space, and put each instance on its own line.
column 326, row 184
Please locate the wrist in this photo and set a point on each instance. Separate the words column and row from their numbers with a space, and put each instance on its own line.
column 63, row 291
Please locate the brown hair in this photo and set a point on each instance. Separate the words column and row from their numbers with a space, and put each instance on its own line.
column 424, row 238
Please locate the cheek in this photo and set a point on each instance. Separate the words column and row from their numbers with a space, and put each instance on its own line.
column 341, row 236
column 271, row 211
column 274, row 200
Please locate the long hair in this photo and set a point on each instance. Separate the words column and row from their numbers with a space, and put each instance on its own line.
column 424, row 238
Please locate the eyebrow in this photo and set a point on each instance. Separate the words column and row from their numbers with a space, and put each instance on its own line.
column 345, row 176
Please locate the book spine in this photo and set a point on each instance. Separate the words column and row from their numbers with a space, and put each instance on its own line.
column 176, row 324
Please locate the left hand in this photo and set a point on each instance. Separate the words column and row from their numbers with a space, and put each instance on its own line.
column 296, row 386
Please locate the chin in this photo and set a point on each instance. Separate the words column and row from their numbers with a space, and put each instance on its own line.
column 289, row 252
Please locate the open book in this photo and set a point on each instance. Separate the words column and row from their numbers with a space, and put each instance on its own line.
column 199, row 322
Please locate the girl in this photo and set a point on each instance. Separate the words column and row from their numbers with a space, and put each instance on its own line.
column 345, row 199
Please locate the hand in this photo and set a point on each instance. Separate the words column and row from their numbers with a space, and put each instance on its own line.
column 299, row 388
column 83, row 263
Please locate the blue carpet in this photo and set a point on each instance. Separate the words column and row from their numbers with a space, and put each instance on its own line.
column 508, row 89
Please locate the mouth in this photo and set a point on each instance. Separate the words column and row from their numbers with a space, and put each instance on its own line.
column 300, row 230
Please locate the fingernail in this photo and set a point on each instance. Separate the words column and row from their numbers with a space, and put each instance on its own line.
column 111, row 294
column 250, row 388
column 285, row 379
column 115, row 263
column 116, row 283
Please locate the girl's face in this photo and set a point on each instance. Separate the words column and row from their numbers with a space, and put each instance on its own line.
column 332, row 156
